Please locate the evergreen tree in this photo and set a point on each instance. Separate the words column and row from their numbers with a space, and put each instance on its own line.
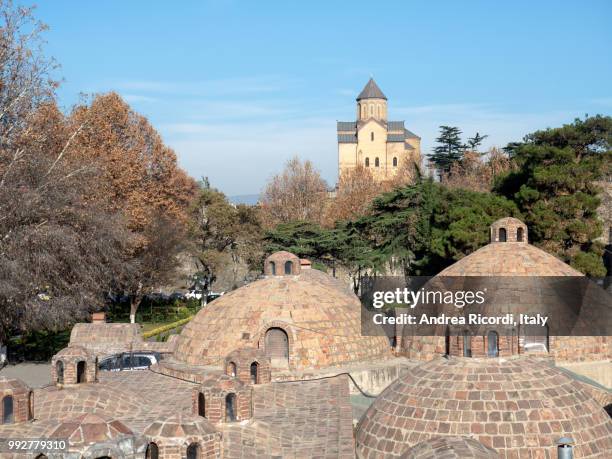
column 554, row 186
column 474, row 142
column 449, row 150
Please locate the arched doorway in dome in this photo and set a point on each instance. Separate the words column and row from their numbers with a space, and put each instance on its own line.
column 59, row 371
column 467, row 344
column 503, row 237
column 152, row 451
column 7, row 410
column 273, row 268
column 519, row 235
column 194, row 451
column 201, row 405
column 254, row 372
column 288, row 267
column 277, row 347
column 492, row 344
column 81, row 367
column 230, row 408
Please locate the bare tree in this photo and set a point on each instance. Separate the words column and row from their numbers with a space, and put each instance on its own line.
column 298, row 193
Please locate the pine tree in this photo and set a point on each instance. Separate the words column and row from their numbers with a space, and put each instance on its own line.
column 474, row 142
column 449, row 150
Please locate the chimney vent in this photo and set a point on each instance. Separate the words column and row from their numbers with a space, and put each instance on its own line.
column 565, row 450
column 98, row 317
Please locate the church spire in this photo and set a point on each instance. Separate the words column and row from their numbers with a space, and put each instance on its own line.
column 371, row 91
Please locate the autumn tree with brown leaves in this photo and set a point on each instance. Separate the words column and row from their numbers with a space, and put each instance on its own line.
column 298, row 193
column 475, row 172
column 139, row 176
column 59, row 254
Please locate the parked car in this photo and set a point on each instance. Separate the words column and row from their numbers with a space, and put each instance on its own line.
column 193, row 294
column 129, row 361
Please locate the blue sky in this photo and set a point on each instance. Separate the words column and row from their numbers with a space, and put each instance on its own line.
column 239, row 87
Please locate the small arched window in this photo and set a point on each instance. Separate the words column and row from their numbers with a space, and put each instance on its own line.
column 467, row 344
column 7, row 410
column 367, row 162
column 519, row 235
column 288, row 267
column 493, row 344
column 371, row 136
column 273, row 268
column 59, row 370
column 194, row 451
column 394, row 161
column 152, row 451
column 376, row 162
column 372, row 110
column 30, row 405
column 231, row 369
column 230, row 407
column 502, row 235
column 363, row 112
column 81, row 369
column 201, row 405
column 254, row 373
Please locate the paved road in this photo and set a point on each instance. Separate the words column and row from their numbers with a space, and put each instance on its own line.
column 33, row 374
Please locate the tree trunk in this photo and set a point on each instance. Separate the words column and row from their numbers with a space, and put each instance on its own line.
column 134, row 304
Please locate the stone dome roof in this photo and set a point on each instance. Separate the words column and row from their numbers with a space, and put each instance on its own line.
column 13, row 386
column 87, row 429
column 180, row 426
column 322, row 321
column 73, row 351
column 450, row 448
column 519, row 407
column 511, row 258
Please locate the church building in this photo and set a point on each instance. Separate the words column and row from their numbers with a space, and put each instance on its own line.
column 382, row 146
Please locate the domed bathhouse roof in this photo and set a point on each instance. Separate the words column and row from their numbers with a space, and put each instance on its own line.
column 516, row 278
column 301, row 318
column 93, row 436
column 519, row 407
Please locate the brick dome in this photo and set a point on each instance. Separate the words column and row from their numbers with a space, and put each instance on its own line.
column 450, row 448
column 509, row 259
column 520, row 407
column 546, row 285
column 88, row 429
column 319, row 321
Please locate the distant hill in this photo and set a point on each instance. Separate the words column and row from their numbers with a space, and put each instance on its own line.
column 249, row 199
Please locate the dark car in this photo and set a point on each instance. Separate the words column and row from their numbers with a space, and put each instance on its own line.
column 128, row 361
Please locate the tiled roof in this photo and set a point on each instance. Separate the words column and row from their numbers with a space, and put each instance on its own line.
column 395, row 138
column 347, row 138
column 371, row 91
column 410, row 134
column 395, row 125
column 347, row 126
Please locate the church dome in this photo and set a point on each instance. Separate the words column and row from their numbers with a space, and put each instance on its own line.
column 519, row 407
column 301, row 321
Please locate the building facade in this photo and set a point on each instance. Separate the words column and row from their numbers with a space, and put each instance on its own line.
column 380, row 145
